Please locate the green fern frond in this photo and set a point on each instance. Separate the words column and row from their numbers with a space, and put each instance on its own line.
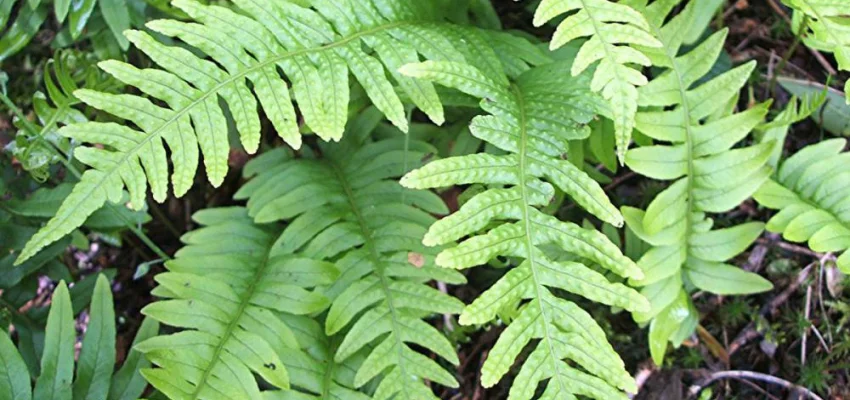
column 810, row 190
column 708, row 177
column 315, row 48
column 225, row 288
column 827, row 28
column 532, row 120
column 344, row 207
column 615, row 31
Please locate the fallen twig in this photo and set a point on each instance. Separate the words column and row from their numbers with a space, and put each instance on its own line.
column 712, row 377
column 750, row 332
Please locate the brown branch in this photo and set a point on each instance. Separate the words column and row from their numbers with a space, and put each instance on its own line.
column 790, row 247
column 816, row 54
column 712, row 377
column 750, row 332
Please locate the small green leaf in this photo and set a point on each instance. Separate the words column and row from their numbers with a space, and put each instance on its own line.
column 834, row 115
column 97, row 357
column 117, row 17
column 725, row 279
column 57, row 361
column 14, row 377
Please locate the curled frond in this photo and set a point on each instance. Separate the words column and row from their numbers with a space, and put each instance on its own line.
column 531, row 120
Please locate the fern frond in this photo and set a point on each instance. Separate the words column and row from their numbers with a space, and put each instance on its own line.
column 532, row 120
column 344, row 207
column 315, row 48
column 826, row 25
column 614, row 31
column 810, row 190
column 225, row 288
column 708, row 177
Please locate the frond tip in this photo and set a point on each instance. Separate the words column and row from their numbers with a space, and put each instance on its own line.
column 616, row 32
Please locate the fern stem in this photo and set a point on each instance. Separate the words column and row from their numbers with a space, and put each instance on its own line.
column 689, row 145
column 379, row 265
column 248, row 294
column 28, row 125
column 529, row 245
column 785, row 57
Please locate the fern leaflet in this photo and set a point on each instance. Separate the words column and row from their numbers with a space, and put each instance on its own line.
column 345, row 208
column 811, row 191
column 613, row 28
column 708, row 177
column 532, row 120
column 225, row 289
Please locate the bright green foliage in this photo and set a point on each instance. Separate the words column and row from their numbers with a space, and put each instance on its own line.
column 94, row 379
column 532, row 120
column 346, row 208
column 812, row 191
column 614, row 31
column 826, row 26
column 225, row 288
column 97, row 358
column 708, row 176
column 23, row 28
column 315, row 48
column 16, row 382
